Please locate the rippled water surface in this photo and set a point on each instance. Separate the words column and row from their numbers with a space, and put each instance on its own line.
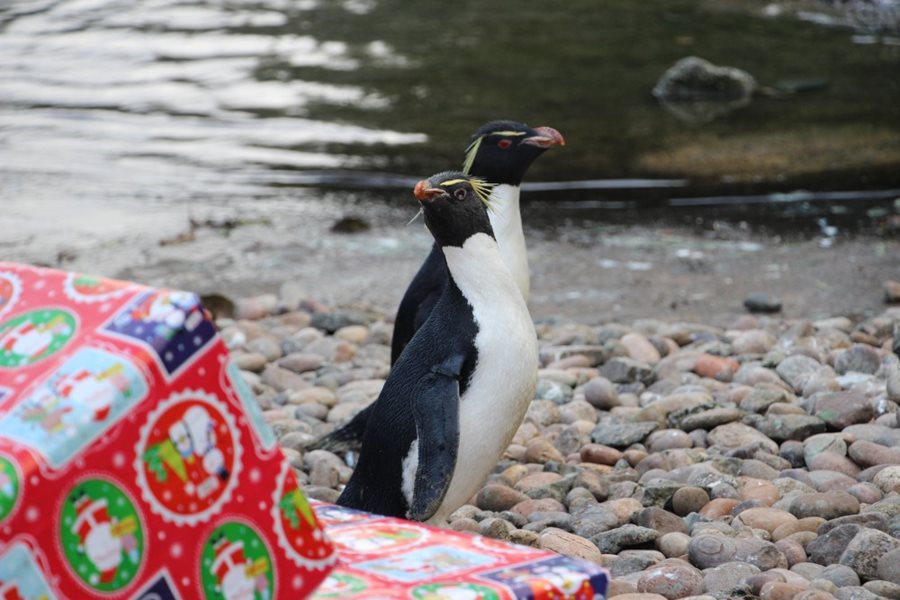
column 117, row 105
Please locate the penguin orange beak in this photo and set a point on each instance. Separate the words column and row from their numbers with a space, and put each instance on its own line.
column 426, row 194
column 547, row 137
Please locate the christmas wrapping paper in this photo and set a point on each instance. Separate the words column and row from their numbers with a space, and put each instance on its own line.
column 134, row 461
column 382, row 557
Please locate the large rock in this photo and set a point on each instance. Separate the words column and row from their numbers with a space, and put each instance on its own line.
column 787, row 427
column 828, row 505
column 738, row 435
column 673, row 579
column 869, row 454
column 841, row 409
column 620, row 434
column 661, row 520
column 860, row 358
column 627, row 536
column 627, row 370
column 827, row 549
column 568, row 544
column 601, row 393
column 498, row 498
column 888, row 479
column 728, row 579
column 709, row 550
column 865, row 550
column 888, row 567
column 594, row 520
column 796, row 370
column 765, row 518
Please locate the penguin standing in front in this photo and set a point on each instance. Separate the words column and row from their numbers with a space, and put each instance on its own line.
column 456, row 396
column 500, row 152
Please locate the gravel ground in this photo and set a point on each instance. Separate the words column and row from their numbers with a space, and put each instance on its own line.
column 760, row 459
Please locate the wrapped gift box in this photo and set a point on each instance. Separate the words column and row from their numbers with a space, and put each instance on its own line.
column 134, row 461
column 383, row 558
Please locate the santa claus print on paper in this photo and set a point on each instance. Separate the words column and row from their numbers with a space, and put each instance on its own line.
column 236, row 565
column 188, row 457
column 101, row 535
column 33, row 336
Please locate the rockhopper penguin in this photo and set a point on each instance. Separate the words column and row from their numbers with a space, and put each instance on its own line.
column 456, row 396
column 499, row 152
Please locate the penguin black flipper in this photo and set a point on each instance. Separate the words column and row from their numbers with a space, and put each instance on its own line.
column 436, row 412
column 419, row 299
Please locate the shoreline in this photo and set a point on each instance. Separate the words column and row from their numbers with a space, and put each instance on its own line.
column 590, row 271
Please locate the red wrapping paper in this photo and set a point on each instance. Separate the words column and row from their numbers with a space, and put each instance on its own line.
column 134, row 461
column 382, row 557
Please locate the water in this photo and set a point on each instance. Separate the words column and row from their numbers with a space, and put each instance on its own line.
column 136, row 115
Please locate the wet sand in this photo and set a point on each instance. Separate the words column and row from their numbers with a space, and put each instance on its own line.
column 589, row 272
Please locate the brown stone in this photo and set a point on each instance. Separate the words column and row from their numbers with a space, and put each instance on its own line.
column 792, row 550
column 526, row 507
column 716, row 367
column 718, row 508
column 498, row 498
column 620, row 587
column 568, row 544
column 765, row 518
column 790, row 528
column 764, row 491
column 539, row 450
column 775, row 590
column 536, row 480
column 600, row 454
column 689, row 499
column 640, row 348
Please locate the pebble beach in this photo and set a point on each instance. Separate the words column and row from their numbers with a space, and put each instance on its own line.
column 761, row 459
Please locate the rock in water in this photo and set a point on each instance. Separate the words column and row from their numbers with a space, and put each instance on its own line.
column 693, row 78
column 698, row 91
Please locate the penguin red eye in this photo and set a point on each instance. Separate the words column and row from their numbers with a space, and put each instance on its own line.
column 460, row 194
column 504, row 144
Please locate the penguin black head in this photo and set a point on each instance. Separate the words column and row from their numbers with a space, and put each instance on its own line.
column 502, row 151
column 455, row 206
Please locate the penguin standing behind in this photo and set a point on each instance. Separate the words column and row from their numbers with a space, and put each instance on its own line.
column 456, row 396
column 500, row 152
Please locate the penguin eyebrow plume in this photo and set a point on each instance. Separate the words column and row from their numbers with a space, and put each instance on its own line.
column 471, row 151
column 483, row 190
column 508, row 133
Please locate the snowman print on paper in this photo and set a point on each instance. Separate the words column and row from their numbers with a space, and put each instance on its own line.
column 170, row 324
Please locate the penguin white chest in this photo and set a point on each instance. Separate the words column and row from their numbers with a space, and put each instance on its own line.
column 506, row 221
column 502, row 384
